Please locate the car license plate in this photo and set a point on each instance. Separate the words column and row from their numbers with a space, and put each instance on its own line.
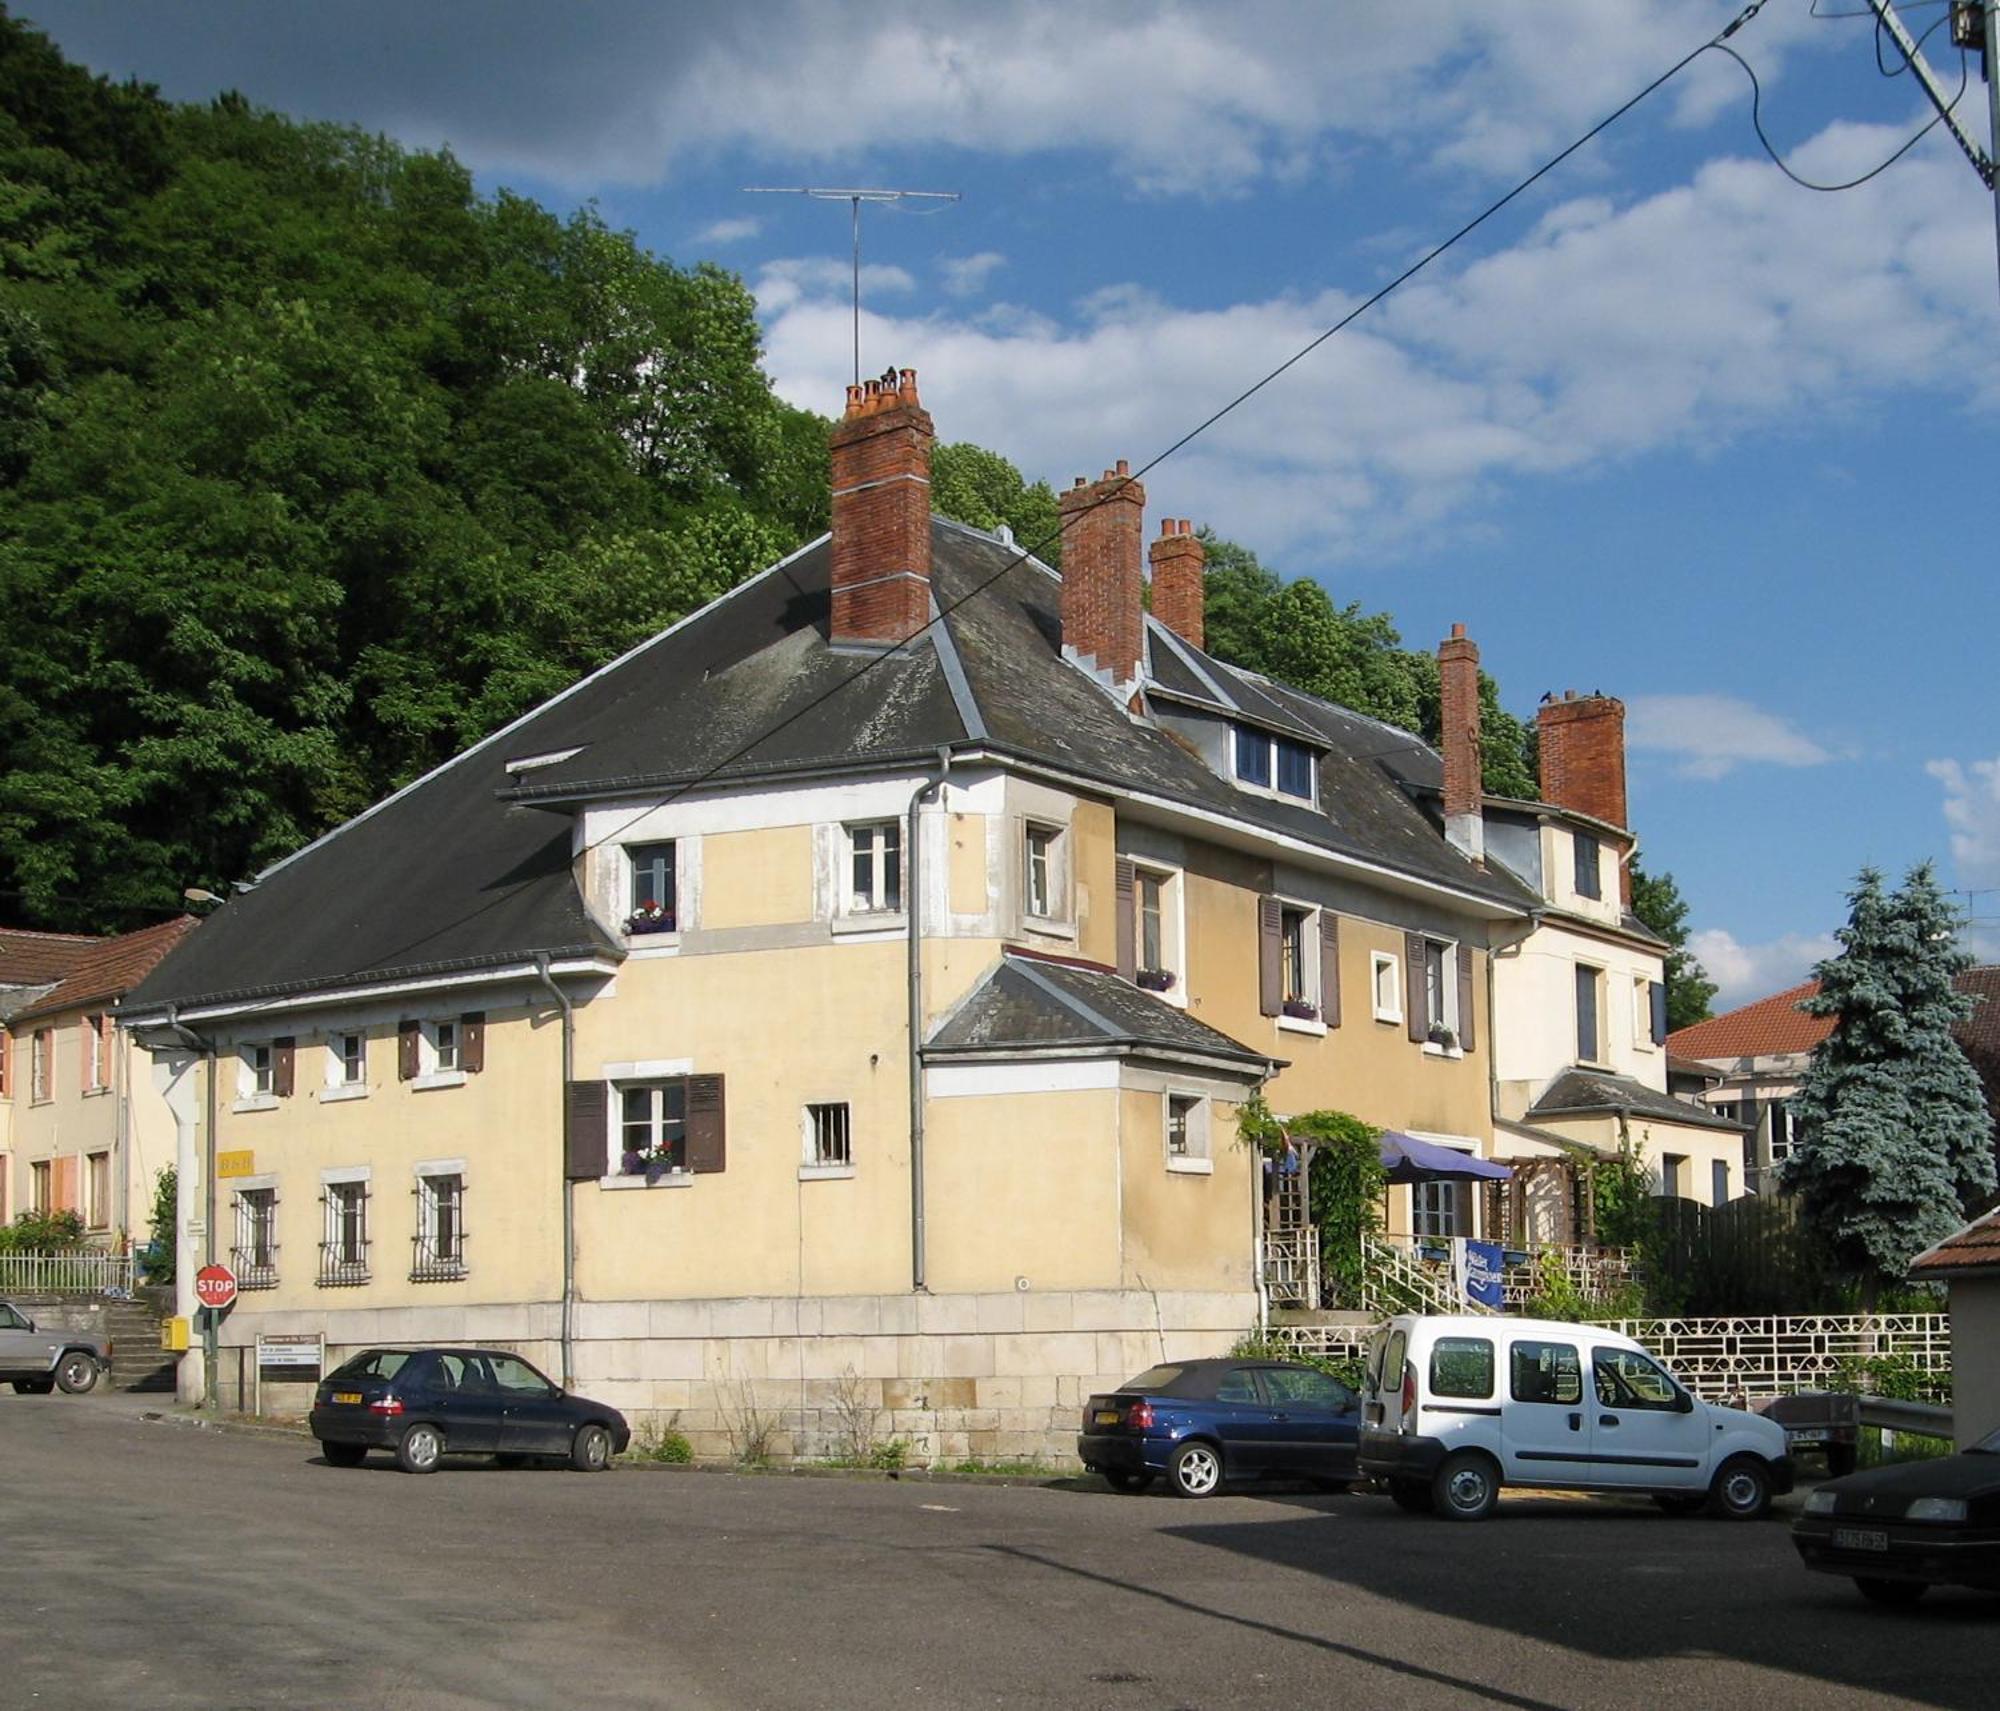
column 1805, row 1438
column 347, row 1396
column 1859, row 1539
column 1107, row 1416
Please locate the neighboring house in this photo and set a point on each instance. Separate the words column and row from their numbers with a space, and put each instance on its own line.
column 1580, row 1060
column 80, row 1122
column 783, row 1009
column 1968, row 1263
column 1747, row 1063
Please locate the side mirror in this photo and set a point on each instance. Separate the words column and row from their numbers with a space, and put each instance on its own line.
column 1683, row 1402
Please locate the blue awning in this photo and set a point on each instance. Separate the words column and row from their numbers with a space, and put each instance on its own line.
column 1408, row 1159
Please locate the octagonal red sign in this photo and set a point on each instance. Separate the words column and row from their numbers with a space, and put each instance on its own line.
column 215, row 1286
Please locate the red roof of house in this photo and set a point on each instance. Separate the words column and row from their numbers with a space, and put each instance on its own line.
column 1764, row 1029
column 35, row 959
column 1976, row 1247
column 108, row 968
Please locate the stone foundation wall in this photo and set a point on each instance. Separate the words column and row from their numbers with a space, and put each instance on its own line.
column 951, row 1377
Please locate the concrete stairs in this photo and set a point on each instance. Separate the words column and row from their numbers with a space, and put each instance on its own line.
column 137, row 1360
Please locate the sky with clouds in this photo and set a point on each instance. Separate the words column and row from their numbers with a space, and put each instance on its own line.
column 1669, row 425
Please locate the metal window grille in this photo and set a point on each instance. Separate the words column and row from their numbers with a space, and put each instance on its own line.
column 438, row 1248
column 832, row 1135
column 254, row 1258
column 1180, row 1127
column 343, row 1249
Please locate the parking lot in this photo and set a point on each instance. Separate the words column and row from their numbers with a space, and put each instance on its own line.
column 158, row 1564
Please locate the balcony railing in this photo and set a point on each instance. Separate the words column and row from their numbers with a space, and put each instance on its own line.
column 336, row 1272
column 252, row 1272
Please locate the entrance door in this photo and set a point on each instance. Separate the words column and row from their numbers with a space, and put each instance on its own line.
column 1646, row 1431
column 1545, row 1423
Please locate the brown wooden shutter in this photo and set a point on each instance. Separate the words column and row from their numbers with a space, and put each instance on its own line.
column 472, row 1041
column 1329, row 968
column 1467, row 1000
column 409, row 1054
column 6, row 1060
column 1270, row 956
column 1416, row 1008
column 707, row 1149
column 586, row 1131
column 1125, row 883
column 284, row 1064
column 86, row 1027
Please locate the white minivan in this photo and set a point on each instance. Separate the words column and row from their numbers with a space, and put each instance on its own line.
column 1456, row 1407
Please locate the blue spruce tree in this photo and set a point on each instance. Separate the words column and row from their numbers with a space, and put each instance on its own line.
column 1894, row 1141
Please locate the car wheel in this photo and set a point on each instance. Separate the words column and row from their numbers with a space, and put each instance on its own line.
column 591, row 1450
column 420, row 1448
column 344, row 1455
column 1465, row 1487
column 1124, row 1479
column 1742, row 1490
column 1843, row 1459
column 1904, row 1592
column 76, row 1372
column 1680, row 1504
column 1412, row 1495
column 1196, row 1470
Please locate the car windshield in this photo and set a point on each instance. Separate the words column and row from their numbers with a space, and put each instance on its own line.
column 375, row 1363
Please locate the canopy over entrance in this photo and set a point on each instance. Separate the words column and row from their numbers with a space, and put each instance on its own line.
column 1408, row 1159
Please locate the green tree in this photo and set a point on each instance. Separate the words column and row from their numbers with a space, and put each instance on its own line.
column 1657, row 901
column 976, row 486
column 1894, row 1140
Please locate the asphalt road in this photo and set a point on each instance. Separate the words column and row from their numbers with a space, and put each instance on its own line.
column 160, row 1566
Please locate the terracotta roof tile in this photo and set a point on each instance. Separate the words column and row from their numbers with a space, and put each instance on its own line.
column 36, row 959
column 1766, row 1028
column 1977, row 1246
column 109, row 968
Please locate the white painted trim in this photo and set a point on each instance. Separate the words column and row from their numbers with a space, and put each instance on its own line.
column 242, row 1184
column 529, row 763
column 255, row 1102
column 1301, row 1025
column 341, row 1092
column 648, row 1069
column 438, row 1167
column 1377, row 962
column 438, row 1078
column 826, row 1172
column 320, row 1000
column 346, row 1173
column 983, row 1080
column 1191, row 1166
column 622, row 1183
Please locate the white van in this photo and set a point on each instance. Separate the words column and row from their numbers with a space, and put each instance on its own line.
column 1456, row 1407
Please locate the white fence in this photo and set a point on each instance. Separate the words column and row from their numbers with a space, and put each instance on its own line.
column 1721, row 1358
column 85, row 1272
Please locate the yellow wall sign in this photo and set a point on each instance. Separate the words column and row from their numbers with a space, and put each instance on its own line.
column 235, row 1164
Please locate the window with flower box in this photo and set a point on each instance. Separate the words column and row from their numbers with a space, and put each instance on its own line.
column 1149, row 926
column 652, row 898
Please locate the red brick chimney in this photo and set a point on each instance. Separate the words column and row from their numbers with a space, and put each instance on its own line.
column 1583, row 755
column 882, row 513
column 1464, row 787
column 1178, row 589
column 1103, row 530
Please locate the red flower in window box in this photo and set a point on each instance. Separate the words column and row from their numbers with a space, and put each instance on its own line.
column 650, row 917
column 1301, row 1009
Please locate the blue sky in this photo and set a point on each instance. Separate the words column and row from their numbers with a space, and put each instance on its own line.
column 1670, row 426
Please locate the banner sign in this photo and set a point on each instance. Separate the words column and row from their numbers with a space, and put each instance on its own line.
column 1482, row 1278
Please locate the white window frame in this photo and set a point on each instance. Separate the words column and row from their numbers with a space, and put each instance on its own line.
column 1600, row 977
column 250, row 1275
column 677, row 1176
column 96, row 1205
column 446, row 1267
column 432, row 1038
column 256, row 1076
column 628, row 888
column 341, row 1082
column 97, row 1054
column 1439, row 1202
column 41, row 1185
column 1056, row 910
column 813, row 1166
column 41, row 1066
column 1197, row 1157
column 1448, row 997
column 1642, row 1014
column 1312, row 985
column 852, row 905
column 1271, row 739
column 332, row 1225
column 1173, row 929
column 1379, row 964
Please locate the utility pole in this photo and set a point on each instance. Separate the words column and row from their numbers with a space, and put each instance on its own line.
column 856, row 198
column 1975, row 26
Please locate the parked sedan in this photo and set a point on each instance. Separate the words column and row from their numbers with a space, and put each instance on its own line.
column 1898, row 1531
column 424, row 1404
column 1203, row 1422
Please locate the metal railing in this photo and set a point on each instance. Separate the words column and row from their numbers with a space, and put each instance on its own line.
column 1397, row 1279
column 84, row 1272
column 1589, row 1271
column 1291, row 1266
column 1717, row 1358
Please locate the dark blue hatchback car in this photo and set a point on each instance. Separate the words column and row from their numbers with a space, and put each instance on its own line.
column 422, row 1404
column 1202, row 1422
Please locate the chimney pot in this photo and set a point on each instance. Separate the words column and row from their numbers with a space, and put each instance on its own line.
column 1124, row 468
column 1178, row 586
column 1457, row 631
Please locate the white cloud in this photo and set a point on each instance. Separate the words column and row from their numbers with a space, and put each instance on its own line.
column 1713, row 734
column 814, row 280
column 1972, row 811
column 966, row 275
column 1726, row 305
column 729, row 231
column 1743, row 973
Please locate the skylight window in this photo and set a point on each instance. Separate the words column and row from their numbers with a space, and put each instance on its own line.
column 1263, row 761
column 528, row 763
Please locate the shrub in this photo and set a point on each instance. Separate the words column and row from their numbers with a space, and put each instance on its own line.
column 43, row 1233
column 656, row 1442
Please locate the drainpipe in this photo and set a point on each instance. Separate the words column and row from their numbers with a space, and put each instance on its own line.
column 913, row 900
column 183, row 1284
column 568, row 1190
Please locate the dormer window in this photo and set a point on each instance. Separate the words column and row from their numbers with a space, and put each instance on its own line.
column 1264, row 761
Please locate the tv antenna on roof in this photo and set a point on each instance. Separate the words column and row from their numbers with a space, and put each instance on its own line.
column 855, row 198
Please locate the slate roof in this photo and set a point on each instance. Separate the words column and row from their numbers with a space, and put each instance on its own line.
column 1589, row 1092
column 1766, row 1028
column 1024, row 1002
column 107, row 969
column 1974, row 1249
column 470, row 868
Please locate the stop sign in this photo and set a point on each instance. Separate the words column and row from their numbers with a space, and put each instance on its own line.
column 215, row 1286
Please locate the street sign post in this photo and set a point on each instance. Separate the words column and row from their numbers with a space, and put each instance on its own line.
column 215, row 1287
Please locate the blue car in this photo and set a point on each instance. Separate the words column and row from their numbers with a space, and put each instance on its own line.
column 1200, row 1423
